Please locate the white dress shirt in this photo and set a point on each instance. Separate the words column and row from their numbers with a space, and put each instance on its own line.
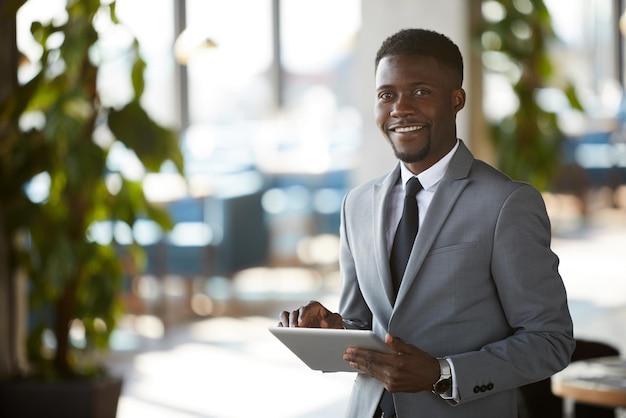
column 429, row 179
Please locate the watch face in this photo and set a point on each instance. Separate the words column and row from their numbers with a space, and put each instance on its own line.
column 443, row 386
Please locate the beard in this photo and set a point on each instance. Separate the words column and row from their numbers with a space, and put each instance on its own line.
column 411, row 157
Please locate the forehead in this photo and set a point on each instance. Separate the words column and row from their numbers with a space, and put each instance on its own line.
column 410, row 69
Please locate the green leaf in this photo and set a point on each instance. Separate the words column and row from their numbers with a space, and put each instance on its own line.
column 137, row 74
column 152, row 143
column 113, row 12
column 572, row 96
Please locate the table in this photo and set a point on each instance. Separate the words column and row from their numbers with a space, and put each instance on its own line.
column 600, row 381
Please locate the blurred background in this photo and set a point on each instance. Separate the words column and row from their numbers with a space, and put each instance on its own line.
column 272, row 104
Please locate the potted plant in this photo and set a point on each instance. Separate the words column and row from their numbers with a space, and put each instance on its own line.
column 54, row 128
column 514, row 42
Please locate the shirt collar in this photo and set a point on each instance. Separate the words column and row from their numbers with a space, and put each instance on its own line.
column 432, row 175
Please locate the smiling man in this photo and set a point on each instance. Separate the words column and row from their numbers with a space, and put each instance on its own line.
column 444, row 257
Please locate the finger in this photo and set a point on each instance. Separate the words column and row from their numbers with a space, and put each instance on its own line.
column 358, row 360
column 302, row 318
column 284, row 319
column 308, row 316
column 293, row 319
column 368, row 360
column 332, row 320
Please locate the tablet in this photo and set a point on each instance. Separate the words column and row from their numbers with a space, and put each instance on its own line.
column 323, row 348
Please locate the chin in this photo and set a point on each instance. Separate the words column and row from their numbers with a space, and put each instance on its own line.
column 411, row 156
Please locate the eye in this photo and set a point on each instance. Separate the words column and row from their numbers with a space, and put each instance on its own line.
column 385, row 95
column 421, row 92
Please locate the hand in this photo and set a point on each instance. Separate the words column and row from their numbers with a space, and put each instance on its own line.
column 311, row 315
column 410, row 370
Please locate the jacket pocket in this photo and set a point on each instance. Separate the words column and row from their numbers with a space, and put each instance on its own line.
column 454, row 247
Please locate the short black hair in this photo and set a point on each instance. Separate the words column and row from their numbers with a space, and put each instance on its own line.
column 426, row 43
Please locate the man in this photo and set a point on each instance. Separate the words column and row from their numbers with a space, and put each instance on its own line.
column 480, row 309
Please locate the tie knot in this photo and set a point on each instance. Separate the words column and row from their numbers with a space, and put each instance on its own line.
column 413, row 186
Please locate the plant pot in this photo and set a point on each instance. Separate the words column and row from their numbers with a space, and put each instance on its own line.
column 95, row 398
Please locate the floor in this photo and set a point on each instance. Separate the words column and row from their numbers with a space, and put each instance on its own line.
column 230, row 366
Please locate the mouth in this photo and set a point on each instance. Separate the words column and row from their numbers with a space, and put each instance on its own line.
column 405, row 129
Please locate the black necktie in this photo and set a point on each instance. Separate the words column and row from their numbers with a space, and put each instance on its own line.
column 402, row 245
column 405, row 234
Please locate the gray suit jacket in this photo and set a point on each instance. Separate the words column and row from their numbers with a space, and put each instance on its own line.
column 482, row 287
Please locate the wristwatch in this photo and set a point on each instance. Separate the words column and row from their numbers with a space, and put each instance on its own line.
column 444, row 383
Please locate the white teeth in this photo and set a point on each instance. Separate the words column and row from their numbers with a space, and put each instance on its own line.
column 408, row 129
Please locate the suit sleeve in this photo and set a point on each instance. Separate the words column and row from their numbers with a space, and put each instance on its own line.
column 533, row 298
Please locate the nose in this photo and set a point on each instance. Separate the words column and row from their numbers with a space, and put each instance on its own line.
column 402, row 107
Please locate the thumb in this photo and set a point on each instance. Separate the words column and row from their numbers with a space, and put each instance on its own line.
column 396, row 344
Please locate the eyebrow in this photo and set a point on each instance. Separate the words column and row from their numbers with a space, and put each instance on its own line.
column 413, row 85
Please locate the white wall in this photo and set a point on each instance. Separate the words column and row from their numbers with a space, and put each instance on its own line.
column 381, row 18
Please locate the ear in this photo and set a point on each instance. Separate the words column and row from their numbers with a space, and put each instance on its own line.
column 458, row 99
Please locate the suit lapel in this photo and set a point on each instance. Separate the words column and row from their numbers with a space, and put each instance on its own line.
column 448, row 191
column 381, row 224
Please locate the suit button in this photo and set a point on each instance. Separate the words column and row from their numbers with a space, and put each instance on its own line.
column 476, row 389
column 490, row 386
